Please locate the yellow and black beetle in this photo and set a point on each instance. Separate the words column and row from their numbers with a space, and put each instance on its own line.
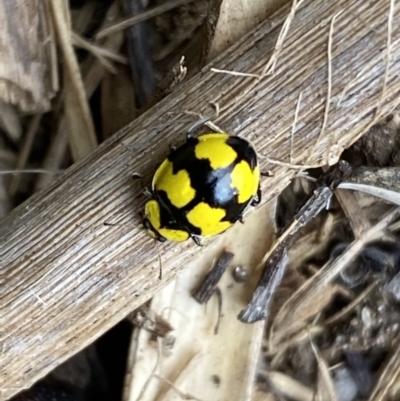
column 202, row 188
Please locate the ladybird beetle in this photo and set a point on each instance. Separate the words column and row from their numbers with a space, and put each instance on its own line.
column 202, row 188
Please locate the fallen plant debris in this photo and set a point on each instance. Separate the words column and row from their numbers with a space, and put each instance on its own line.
column 332, row 331
column 204, row 292
column 277, row 258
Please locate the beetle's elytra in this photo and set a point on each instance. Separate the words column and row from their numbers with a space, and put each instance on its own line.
column 202, row 188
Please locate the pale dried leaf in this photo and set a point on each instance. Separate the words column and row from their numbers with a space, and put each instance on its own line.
column 289, row 387
column 7, row 162
column 237, row 18
column 206, row 364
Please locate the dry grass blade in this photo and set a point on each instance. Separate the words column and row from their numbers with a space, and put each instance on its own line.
column 24, row 154
column 325, row 386
column 289, row 387
column 7, row 161
column 298, row 339
column 182, row 395
column 351, row 306
column 388, row 378
column 142, row 17
column 260, row 395
column 329, row 93
column 93, row 75
column 98, row 52
column 101, row 52
column 308, row 308
column 82, row 137
column 355, row 215
column 388, row 54
column 270, row 66
column 55, row 155
column 287, row 320
column 268, row 69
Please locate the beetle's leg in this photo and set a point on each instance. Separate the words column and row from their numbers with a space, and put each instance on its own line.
column 195, row 126
column 256, row 201
column 196, row 240
column 266, row 174
column 138, row 177
column 146, row 191
column 204, row 120
column 240, row 218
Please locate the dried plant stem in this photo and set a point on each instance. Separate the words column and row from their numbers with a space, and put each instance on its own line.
column 388, row 54
column 142, row 17
column 269, row 67
column 389, row 376
column 29, row 171
column 103, row 54
column 329, row 90
column 24, row 154
column 83, row 141
column 292, row 132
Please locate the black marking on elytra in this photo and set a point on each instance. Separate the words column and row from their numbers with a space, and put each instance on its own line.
column 211, row 186
column 244, row 150
column 173, row 217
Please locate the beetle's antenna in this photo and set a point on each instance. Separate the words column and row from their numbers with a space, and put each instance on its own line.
column 108, row 224
column 159, row 260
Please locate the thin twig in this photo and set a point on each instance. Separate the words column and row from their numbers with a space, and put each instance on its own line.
column 101, row 53
column 329, row 94
column 88, row 140
column 24, row 154
column 388, row 49
column 293, row 166
column 30, row 171
column 235, row 73
column 269, row 67
column 293, row 130
column 142, row 17
column 181, row 394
